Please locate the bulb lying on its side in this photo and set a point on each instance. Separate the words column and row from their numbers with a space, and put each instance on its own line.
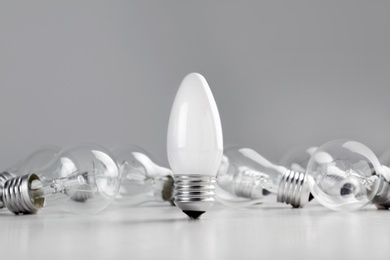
column 346, row 175
column 245, row 177
column 83, row 179
column 142, row 180
column 31, row 163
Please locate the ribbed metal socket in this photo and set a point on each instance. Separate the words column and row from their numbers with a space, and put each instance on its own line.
column 16, row 195
column 5, row 176
column 194, row 192
column 382, row 198
column 293, row 189
column 249, row 191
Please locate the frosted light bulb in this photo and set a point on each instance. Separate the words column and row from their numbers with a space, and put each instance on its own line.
column 142, row 180
column 194, row 145
column 83, row 178
column 245, row 174
column 297, row 158
column 346, row 175
column 32, row 162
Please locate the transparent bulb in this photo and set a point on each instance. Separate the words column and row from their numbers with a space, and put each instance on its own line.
column 142, row 180
column 297, row 158
column 82, row 178
column 344, row 175
column 34, row 161
column 245, row 177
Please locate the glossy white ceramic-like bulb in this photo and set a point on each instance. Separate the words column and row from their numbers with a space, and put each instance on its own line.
column 346, row 175
column 142, row 179
column 82, row 178
column 297, row 158
column 244, row 177
column 31, row 163
column 194, row 145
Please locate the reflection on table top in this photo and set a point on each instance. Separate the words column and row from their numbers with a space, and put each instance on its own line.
column 270, row 230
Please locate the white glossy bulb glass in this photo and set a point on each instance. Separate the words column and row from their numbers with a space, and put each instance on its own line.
column 244, row 177
column 344, row 175
column 297, row 158
column 82, row 178
column 142, row 179
column 194, row 145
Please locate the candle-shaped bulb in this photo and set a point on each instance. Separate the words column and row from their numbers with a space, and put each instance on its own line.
column 194, row 145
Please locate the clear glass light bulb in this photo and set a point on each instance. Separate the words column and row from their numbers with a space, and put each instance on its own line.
column 142, row 180
column 245, row 176
column 32, row 162
column 297, row 158
column 346, row 175
column 82, row 178
column 194, row 145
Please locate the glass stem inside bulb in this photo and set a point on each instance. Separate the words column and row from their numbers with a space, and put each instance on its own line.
column 41, row 189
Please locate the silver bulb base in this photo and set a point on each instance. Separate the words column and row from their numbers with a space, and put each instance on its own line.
column 382, row 198
column 293, row 189
column 17, row 195
column 194, row 194
column 4, row 176
column 249, row 191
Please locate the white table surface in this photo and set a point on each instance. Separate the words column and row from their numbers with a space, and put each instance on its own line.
column 270, row 231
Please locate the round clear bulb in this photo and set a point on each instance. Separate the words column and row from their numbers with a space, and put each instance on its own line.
column 82, row 178
column 194, row 145
column 142, row 179
column 297, row 158
column 245, row 177
column 344, row 175
column 32, row 162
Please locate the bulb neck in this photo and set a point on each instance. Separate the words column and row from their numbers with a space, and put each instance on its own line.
column 293, row 189
column 17, row 194
column 194, row 194
column 167, row 189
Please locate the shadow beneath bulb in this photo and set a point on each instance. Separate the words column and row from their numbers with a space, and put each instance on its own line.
column 152, row 221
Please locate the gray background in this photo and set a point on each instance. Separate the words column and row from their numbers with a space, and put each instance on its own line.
column 283, row 73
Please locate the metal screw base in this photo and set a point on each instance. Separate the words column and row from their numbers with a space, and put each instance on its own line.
column 194, row 193
column 249, row 191
column 382, row 198
column 293, row 189
column 15, row 194
column 5, row 176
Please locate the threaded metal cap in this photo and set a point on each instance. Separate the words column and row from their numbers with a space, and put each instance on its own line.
column 293, row 189
column 194, row 194
column 17, row 194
